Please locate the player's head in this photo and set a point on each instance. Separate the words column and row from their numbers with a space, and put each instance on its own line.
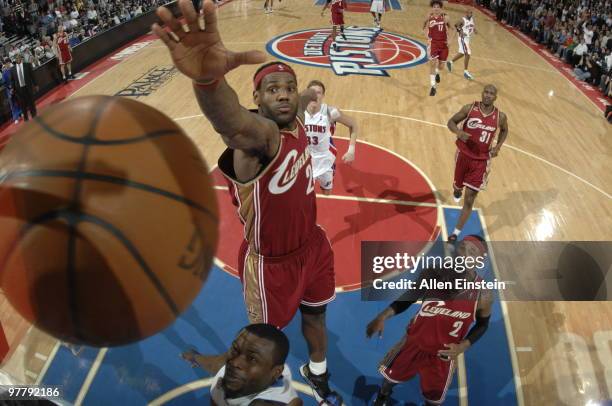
column 471, row 246
column 468, row 12
column 256, row 360
column 436, row 5
column 276, row 93
column 319, row 88
column 489, row 95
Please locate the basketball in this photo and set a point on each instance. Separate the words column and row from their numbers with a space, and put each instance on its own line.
column 109, row 221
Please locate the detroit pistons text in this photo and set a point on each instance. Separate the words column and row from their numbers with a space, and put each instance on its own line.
column 434, row 284
column 354, row 54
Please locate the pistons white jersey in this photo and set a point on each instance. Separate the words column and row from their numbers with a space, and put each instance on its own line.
column 468, row 27
column 320, row 128
column 280, row 391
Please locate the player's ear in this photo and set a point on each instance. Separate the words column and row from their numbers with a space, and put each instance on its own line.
column 277, row 371
column 256, row 97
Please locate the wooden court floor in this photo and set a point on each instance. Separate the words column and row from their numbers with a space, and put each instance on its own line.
column 551, row 182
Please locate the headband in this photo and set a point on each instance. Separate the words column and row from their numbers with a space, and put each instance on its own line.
column 276, row 67
column 476, row 242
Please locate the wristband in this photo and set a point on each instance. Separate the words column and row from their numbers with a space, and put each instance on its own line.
column 351, row 149
column 208, row 85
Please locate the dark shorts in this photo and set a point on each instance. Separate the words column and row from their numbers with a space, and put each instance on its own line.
column 405, row 360
column 472, row 173
column 275, row 287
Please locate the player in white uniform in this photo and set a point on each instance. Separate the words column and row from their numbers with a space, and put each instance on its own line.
column 466, row 27
column 377, row 8
column 252, row 372
column 320, row 122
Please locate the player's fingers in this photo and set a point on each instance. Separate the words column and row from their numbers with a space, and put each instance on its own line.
column 163, row 35
column 190, row 15
column 171, row 22
column 246, row 58
column 210, row 16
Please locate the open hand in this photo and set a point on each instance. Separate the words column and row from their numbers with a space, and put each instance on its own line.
column 196, row 47
column 375, row 326
column 463, row 136
column 453, row 351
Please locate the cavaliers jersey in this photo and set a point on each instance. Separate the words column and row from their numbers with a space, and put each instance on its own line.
column 278, row 207
column 437, row 28
column 467, row 27
column 338, row 6
column 441, row 322
column 482, row 129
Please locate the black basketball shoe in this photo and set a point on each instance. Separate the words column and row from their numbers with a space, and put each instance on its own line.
column 320, row 387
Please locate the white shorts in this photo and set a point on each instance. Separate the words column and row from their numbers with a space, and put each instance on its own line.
column 323, row 169
column 464, row 45
column 378, row 6
column 326, row 180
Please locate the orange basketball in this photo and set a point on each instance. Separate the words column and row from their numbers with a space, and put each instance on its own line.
column 108, row 221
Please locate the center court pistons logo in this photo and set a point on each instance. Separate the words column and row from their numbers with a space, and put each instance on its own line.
column 365, row 51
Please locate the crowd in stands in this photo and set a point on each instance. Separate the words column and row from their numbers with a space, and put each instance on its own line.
column 27, row 27
column 578, row 32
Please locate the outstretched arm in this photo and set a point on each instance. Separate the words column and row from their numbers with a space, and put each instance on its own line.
column 325, row 7
column 351, row 123
column 199, row 54
column 503, row 133
column 456, row 119
column 210, row 363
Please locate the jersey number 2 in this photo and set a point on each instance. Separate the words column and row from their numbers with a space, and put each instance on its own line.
column 457, row 326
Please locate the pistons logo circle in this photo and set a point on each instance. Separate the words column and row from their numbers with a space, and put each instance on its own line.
column 362, row 50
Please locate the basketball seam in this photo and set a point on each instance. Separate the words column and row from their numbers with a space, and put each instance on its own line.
column 75, row 217
column 93, row 141
column 73, row 221
column 108, row 179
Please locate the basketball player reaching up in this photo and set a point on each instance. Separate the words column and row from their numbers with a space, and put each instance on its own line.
column 481, row 120
column 286, row 261
column 320, row 121
column 337, row 15
column 252, row 372
column 436, row 29
column 465, row 28
column 438, row 333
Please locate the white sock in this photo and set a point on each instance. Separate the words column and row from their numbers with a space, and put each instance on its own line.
column 437, row 71
column 457, row 232
column 432, row 80
column 465, row 71
column 317, row 368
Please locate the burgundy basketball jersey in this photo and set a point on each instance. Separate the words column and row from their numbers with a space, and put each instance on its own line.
column 482, row 129
column 440, row 322
column 338, row 6
column 437, row 28
column 278, row 207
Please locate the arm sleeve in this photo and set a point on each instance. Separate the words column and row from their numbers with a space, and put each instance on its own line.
column 482, row 323
column 400, row 306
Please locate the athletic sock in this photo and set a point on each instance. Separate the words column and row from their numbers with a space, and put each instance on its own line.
column 432, row 80
column 456, row 232
column 317, row 368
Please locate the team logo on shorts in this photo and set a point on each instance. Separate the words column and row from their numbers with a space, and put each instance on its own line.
column 366, row 51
